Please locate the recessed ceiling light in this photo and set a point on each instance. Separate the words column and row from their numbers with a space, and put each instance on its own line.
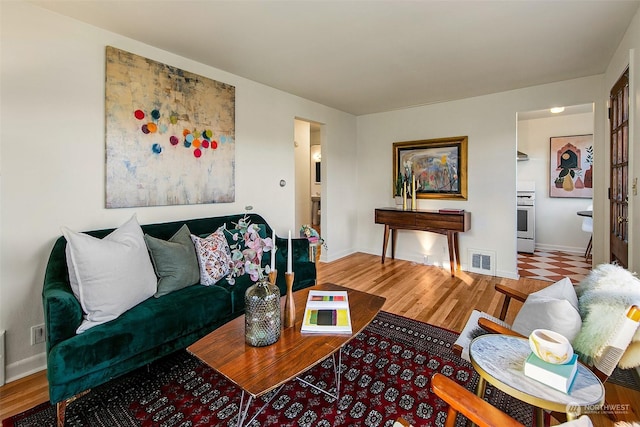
column 556, row 110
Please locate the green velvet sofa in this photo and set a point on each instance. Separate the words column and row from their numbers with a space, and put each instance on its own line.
column 152, row 329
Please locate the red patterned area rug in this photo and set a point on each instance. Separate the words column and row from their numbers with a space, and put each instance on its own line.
column 386, row 372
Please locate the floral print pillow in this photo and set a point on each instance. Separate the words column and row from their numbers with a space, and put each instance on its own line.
column 214, row 256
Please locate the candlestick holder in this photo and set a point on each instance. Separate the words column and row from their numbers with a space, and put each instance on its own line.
column 273, row 274
column 289, row 305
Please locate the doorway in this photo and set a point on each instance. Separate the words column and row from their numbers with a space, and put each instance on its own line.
column 559, row 237
column 309, row 173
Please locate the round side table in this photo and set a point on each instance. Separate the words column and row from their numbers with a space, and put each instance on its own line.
column 499, row 360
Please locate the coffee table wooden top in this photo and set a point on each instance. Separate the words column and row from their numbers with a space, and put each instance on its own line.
column 258, row 370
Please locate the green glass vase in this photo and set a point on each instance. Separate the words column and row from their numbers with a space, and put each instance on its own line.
column 262, row 314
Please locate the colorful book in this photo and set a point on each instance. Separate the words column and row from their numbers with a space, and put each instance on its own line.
column 556, row 376
column 327, row 312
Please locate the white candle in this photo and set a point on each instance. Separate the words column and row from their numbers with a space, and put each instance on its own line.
column 413, row 193
column 289, row 259
column 273, row 252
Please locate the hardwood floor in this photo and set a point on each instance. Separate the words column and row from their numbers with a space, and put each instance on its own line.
column 425, row 293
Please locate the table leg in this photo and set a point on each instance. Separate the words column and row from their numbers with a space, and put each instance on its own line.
column 539, row 417
column 259, row 411
column 456, row 251
column 336, row 373
column 385, row 240
column 452, row 251
column 481, row 387
column 243, row 409
column 394, row 237
column 572, row 415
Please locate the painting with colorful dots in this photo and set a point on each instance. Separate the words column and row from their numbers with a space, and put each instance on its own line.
column 170, row 135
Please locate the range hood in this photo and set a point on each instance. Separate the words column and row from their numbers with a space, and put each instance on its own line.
column 522, row 156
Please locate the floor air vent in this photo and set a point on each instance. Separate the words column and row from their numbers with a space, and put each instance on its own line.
column 482, row 262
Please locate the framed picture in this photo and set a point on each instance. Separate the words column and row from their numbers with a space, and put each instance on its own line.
column 170, row 135
column 571, row 166
column 438, row 166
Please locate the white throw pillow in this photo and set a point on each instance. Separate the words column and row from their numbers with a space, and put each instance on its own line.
column 109, row 275
column 562, row 289
column 554, row 307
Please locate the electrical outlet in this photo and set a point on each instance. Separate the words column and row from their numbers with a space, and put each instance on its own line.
column 37, row 334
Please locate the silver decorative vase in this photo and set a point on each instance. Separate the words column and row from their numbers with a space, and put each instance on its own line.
column 262, row 314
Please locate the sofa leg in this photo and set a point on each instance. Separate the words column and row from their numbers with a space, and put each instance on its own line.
column 61, row 408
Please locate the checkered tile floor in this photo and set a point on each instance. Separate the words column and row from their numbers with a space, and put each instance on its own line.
column 553, row 266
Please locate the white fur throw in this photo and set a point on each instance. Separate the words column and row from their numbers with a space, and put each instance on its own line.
column 604, row 297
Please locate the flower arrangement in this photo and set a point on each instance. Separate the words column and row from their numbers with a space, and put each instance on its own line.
column 311, row 234
column 247, row 251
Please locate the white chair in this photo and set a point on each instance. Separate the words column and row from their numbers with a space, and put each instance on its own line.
column 587, row 227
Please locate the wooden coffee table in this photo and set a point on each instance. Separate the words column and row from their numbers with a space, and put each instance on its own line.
column 258, row 370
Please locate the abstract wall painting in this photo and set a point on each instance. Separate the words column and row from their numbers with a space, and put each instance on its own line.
column 571, row 166
column 170, row 135
column 438, row 167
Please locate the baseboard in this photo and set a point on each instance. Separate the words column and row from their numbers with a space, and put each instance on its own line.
column 507, row 274
column 26, row 367
column 568, row 249
column 2, row 358
column 335, row 256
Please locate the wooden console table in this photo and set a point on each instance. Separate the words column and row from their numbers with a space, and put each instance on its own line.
column 448, row 224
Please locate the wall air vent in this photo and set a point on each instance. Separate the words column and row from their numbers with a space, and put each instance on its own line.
column 482, row 262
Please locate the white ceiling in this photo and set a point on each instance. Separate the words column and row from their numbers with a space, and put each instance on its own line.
column 568, row 110
column 370, row 56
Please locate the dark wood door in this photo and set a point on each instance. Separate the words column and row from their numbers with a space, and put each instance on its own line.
column 619, row 170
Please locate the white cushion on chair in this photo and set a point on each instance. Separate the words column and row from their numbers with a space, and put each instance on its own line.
column 562, row 289
column 467, row 334
column 554, row 307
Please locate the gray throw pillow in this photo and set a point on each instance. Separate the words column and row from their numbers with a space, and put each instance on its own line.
column 174, row 261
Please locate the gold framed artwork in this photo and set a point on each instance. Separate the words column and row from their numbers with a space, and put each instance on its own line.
column 438, row 166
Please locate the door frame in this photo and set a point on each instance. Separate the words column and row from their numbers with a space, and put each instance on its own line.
column 619, row 213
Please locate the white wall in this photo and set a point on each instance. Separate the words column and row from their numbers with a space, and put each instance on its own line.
column 52, row 156
column 490, row 123
column 557, row 225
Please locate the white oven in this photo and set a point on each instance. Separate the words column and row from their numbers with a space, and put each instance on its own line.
column 526, row 221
